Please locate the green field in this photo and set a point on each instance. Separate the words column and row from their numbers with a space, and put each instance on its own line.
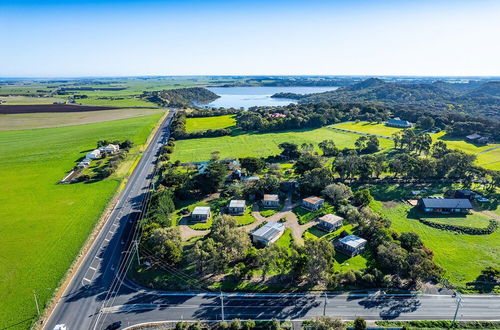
column 126, row 101
column 44, row 224
column 474, row 220
column 17, row 100
column 259, row 144
column 462, row 256
column 370, row 128
column 204, row 123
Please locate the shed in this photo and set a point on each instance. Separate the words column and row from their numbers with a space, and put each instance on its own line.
column 200, row 213
column 397, row 122
column 268, row 234
column 351, row 245
column 94, row 154
column 330, row 222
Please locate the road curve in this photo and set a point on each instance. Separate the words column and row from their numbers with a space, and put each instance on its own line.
column 87, row 291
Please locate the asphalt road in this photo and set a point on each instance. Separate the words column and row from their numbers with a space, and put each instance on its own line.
column 95, row 298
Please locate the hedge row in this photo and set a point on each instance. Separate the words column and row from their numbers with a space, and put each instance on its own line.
column 492, row 226
column 204, row 134
column 441, row 324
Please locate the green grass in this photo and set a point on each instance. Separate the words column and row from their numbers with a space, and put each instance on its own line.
column 474, row 220
column 462, row 256
column 44, row 224
column 370, row 128
column 258, row 144
column 268, row 212
column 245, row 219
column 125, row 101
column 304, row 215
column 286, row 239
column 204, row 123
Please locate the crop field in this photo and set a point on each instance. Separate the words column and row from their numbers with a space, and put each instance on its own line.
column 127, row 101
column 44, row 120
column 43, row 225
column 16, row 100
column 204, row 123
column 259, row 144
column 462, row 256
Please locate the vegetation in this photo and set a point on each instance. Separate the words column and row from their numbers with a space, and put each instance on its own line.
column 441, row 324
column 44, row 236
column 206, row 123
column 182, row 97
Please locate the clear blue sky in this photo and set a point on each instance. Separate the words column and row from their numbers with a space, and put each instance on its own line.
column 358, row 37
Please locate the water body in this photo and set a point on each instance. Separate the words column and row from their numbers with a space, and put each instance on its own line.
column 246, row 97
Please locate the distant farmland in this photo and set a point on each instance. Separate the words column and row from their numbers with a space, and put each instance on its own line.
column 36, row 108
column 44, row 224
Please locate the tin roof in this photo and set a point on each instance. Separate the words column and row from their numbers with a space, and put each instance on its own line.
column 237, row 203
column 271, row 198
column 201, row 210
column 313, row 199
column 447, row 203
column 331, row 218
column 353, row 241
column 269, row 230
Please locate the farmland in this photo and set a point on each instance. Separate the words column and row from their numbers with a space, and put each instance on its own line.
column 259, row 144
column 44, row 224
column 44, row 120
column 204, row 123
column 462, row 256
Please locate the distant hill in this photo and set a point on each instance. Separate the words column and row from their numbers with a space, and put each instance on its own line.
column 472, row 98
column 181, row 97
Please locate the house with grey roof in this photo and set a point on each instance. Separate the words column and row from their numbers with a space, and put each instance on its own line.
column 330, row 222
column 200, row 213
column 313, row 202
column 445, row 205
column 270, row 200
column 397, row 122
column 268, row 234
column 236, row 207
column 350, row 245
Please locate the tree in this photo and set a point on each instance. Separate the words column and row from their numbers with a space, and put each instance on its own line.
column 235, row 324
column 410, row 241
column 326, row 323
column 426, row 122
column 253, row 164
column 362, row 197
column 248, row 325
column 307, row 162
column 372, row 145
column 359, row 323
column 347, row 166
column 392, row 258
column 338, row 193
column 214, row 177
column 439, row 149
column 314, row 181
column 215, row 156
column 161, row 207
column 319, row 262
column 329, row 148
column 361, row 142
column 289, row 150
column 272, row 258
column 126, row 145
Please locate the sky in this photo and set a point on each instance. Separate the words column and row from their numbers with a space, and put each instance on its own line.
column 71, row 38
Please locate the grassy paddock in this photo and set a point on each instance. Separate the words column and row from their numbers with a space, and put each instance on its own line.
column 259, row 144
column 45, row 224
column 204, row 123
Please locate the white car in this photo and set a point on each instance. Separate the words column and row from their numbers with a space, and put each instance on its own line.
column 60, row 327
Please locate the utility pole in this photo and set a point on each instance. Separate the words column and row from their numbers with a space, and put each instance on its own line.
column 222, row 305
column 458, row 301
column 324, row 305
column 137, row 253
column 36, row 303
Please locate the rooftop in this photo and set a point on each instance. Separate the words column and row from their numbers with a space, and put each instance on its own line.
column 447, row 203
column 399, row 121
column 473, row 136
column 313, row 199
column 237, row 203
column 271, row 198
column 331, row 218
column 201, row 210
column 353, row 241
column 269, row 230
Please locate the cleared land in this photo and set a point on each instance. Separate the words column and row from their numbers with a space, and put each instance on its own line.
column 18, row 99
column 44, row 224
column 462, row 256
column 486, row 158
column 259, row 144
column 127, row 101
column 204, row 123
column 45, row 120
column 37, row 108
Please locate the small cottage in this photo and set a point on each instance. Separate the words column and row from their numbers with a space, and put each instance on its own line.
column 111, row 148
column 350, row 245
column 313, row 202
column 236, row 207
column 200, row 213
column 270, row 200
column 330, row 222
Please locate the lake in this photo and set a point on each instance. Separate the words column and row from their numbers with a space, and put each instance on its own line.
column 246, row 97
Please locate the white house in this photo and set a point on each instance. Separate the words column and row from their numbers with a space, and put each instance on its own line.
column 271, row 200
column 94, row 154
column 351, row 245
column 236, row 207
column 330, row 222
column 313, row 202
column 200, row 213
column 268, row 234
column 84, row 163
column 111, row 148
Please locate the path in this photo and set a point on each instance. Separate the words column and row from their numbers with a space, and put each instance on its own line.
column 487, row 150
column 488, row 214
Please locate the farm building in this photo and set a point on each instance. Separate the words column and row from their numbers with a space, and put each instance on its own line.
column 200, row 213
column 84, row 163
column 465, row 193
column 350, row 245
column 397, row 122
column 330, row 222
column 236, row 207
column 94, row 154
column 445, row 205
column 111, row 148
column 476, row 138
column 313, row 202
column 268, row 234
column 271, row 200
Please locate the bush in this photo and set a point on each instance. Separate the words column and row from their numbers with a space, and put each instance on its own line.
column 359, row 323
column 463, row 229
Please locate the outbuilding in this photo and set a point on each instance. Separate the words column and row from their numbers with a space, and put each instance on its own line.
column 94, row 154
column 236, row 207
column 445, row 205
column 350, row 245
column 270, row 200
column 397, row 122
column 200, row 213
column 330, row 222
column 313, row 202
column 268, row 234
column 111, row 148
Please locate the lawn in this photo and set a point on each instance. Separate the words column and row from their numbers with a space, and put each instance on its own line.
column 123, row 101
column 304, row 215
column 462, row 256
column 245, row 219
column 259, row 144
column 367, row 127
column 475, row 220
column 43, row 225
column 204, row 123
column 18, row 100
column 286, row 240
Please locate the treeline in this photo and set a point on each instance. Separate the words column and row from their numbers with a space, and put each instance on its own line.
column 183, row 97
column 178, row 129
